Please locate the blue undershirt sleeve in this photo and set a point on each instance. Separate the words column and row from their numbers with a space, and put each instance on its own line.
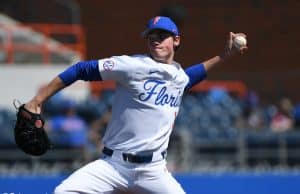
column 196, row 73
column 85, row 70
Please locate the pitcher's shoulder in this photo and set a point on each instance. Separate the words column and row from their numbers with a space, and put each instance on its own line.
column 140, row 56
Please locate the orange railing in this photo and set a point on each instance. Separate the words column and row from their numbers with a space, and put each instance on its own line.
column 49, row 31
column 236, row 87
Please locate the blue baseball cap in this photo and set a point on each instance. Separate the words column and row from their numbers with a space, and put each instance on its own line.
column 162, row 23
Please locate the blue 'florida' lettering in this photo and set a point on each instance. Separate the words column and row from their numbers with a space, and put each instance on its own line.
column 161, row 96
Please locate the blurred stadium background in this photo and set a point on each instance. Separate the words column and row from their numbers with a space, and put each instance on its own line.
column 237, row 132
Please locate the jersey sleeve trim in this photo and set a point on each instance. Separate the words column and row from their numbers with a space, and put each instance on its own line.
column 196, row 74
column 85, row 70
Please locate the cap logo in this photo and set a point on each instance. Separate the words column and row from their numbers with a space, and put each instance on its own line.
column 156, row 19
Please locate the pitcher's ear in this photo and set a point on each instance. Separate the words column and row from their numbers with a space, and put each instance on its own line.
column 176, row 41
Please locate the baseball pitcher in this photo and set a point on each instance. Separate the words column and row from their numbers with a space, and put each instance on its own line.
column 147, row 99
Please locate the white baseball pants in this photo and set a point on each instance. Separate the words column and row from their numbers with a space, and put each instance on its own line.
column 113, row 175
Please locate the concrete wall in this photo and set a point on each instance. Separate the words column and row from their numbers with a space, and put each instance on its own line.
column 22, row 83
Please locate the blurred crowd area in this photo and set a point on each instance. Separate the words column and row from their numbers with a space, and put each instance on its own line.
column 214, row 129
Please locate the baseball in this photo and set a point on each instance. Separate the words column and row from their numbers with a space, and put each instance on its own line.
column 239, row 41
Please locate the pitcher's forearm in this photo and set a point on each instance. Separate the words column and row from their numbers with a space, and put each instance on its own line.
column 54, row 86
column 208, row 64
column 84, row 70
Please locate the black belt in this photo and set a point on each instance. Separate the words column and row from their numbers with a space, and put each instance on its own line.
column 132, row 157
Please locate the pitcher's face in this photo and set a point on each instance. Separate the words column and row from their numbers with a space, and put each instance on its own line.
column 161, row 45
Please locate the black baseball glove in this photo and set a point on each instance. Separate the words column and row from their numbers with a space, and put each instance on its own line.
column 30, row 135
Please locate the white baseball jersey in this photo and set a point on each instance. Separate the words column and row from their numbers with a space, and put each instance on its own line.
column 146, row 102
